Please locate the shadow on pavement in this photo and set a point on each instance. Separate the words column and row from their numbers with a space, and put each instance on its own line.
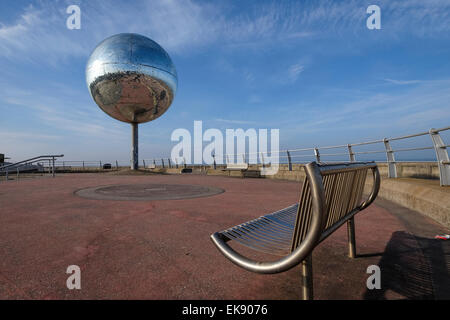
column 414, row 268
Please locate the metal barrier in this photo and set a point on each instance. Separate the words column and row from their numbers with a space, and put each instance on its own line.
column 318, row 154
column 17, row 165
column 304, row 155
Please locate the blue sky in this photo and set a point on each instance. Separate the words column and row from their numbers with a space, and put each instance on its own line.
column 310, row 68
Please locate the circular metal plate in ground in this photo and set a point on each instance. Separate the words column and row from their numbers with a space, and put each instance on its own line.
column 146, row 192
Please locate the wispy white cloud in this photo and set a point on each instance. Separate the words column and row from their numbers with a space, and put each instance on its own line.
column 419, row 107
column 294, row 71
column 20, row 135
column 402, row 82
column 183, row 25
column 230, row 121
column 39, row 32
column 60, row 113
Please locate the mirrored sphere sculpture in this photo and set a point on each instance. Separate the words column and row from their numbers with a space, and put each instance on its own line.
column 132, row 79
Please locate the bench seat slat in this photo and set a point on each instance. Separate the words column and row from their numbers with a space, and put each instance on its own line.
column 271, row 233
column 264, row 245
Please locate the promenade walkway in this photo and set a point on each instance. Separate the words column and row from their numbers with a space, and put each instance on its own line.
column 161, row 249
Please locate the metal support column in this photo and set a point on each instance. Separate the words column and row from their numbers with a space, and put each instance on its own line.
column 53, row 167
column 289, row 160
column 134, row 147
column 442, row 157
column 350, row 153
column 392, row 172
column 307, row 278
column 351, row 238
column 317, row 154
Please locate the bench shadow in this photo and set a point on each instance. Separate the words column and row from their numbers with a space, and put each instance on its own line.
column 369, row 255
column 414, row 268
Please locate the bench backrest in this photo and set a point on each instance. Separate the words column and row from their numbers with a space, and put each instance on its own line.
column 237, row 166
column 333, row 191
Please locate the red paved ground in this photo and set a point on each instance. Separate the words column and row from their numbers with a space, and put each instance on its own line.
column 161, row 249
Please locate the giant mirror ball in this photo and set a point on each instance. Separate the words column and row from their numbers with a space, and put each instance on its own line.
column 131, row 78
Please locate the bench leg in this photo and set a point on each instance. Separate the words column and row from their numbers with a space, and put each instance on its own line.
column 351, row 238
column 307, row 278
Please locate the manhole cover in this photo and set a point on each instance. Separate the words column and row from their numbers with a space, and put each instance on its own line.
column 145, row 192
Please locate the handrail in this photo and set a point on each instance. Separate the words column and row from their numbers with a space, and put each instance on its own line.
column 290, row 156
column 31, row 160
column 442, row 157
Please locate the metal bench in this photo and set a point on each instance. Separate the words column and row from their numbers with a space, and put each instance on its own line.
column 236, row 166
column 331, row 195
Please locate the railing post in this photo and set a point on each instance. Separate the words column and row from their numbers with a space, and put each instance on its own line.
column 262, row 160
column 117, row 165
column 392, row 168
column 170, row 163
column 17, row 176
column 317, row 154
column 143, row 162
column 184, row 162
column 53, row 167
column 6, row 175
column 83, row 165
column 100, row 164
column 162, row 161
column 214, row 162
column 442, row 157
column 176, row 163
column 154, row 163
column 350, row 153
column 289, row 160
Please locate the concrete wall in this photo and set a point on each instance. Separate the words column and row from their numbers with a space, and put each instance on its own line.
column 421, row 170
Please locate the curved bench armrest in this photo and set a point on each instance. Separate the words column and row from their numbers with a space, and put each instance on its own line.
column 375, row 188
column 305, row 247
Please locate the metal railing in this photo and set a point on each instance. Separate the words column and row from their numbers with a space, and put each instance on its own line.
column 29, row 162
column 304, row 155
column 344, row 152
